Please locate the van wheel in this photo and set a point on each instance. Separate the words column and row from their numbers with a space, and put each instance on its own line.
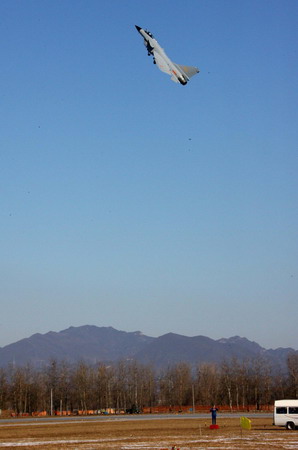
column 290, row 426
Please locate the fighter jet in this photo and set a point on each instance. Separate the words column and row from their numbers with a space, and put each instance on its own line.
column 179, row 74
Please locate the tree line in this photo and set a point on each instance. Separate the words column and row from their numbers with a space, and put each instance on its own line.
column 131, row 386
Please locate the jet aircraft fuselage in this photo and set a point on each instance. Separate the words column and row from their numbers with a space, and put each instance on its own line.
column 179, row 74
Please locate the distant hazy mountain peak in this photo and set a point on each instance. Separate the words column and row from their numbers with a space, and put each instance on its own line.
column 107, row 345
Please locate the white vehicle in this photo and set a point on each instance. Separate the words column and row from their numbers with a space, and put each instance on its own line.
column 286, row 414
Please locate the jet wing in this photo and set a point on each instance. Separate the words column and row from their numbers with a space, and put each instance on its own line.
column 163, row 66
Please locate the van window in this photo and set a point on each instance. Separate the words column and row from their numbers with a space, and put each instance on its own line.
column 281, row 410
column 293, row 410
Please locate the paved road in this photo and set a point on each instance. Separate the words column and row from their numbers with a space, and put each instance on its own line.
column 118, row 418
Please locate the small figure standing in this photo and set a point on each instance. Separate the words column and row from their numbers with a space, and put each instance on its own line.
column 213, row 411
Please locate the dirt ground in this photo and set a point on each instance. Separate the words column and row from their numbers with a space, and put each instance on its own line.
column 163, row 434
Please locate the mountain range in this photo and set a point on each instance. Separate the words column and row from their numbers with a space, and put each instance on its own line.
column 94, row 344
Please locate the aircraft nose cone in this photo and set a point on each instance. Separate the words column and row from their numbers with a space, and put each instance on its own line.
column 138, row 28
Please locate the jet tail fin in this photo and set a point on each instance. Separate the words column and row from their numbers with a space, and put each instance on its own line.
column 189, row 71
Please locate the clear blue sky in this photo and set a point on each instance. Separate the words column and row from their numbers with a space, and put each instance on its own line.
column 130, row 201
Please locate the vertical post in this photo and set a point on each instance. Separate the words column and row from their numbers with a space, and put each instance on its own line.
column 51, row 401
column 193, row 399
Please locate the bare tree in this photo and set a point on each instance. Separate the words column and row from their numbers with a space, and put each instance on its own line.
column 259, row 382
column 83, row 384
column 182, row 381
column 166, row 387
column 3, row 389
column 129, row 385
column 292, row 363
column 227, row 376
column 207, row 384
column 147, row 389
column 103, row 386
column 52, row 383
column 42, row 399
column 20, row 389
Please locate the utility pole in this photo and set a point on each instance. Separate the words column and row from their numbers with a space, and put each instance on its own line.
column 51, row 401
column 193, row 399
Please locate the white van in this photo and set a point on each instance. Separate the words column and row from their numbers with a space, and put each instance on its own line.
column 286, row 414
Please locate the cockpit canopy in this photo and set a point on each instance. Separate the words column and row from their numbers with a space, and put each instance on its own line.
column 149, row 34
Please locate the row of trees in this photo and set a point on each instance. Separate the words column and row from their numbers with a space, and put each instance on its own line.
column 83, row 387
